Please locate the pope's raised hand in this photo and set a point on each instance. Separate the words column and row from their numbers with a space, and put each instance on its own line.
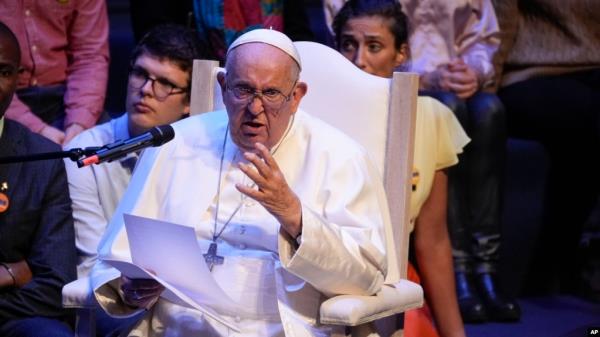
column 272, row 191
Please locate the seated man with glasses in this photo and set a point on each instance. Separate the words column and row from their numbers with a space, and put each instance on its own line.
column 158, row 93
column 287, row 209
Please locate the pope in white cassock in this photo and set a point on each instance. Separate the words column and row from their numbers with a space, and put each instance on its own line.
column 289, row 210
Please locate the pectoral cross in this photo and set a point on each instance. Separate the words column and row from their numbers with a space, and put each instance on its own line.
column 211, row 256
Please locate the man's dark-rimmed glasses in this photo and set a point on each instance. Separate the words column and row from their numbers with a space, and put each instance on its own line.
column 162, row 88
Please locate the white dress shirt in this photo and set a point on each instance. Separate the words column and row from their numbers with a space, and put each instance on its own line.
column 96, row 189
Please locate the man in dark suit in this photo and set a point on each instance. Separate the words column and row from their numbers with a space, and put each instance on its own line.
column 37, row 250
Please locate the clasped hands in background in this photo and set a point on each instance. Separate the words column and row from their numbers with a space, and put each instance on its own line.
column 60, row 137
column 456, row 77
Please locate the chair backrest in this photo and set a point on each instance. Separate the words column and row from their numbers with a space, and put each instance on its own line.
column 377, row 112
column 206, row 92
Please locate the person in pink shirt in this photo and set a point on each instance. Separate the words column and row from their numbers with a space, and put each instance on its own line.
column 64, row 68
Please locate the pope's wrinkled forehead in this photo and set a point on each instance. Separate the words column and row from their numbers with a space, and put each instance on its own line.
column 270, row 37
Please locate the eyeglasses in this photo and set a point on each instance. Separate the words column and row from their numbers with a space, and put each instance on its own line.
column 162, row 88
column 272, row 99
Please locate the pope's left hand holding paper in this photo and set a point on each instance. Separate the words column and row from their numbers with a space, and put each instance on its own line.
column 160, row 251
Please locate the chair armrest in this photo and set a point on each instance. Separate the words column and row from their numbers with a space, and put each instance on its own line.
column 354, row 310
column 79, row 294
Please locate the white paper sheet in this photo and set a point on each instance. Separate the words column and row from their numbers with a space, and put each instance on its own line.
column 170, row 254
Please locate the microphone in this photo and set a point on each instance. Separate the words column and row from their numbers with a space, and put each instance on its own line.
column 157, row 136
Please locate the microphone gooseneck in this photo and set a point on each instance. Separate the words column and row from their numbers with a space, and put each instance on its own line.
column 156, row 136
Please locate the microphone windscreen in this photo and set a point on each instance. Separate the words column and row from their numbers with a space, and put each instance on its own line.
column 161, row 134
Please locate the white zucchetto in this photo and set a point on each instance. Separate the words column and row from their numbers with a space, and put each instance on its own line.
column 271, row 37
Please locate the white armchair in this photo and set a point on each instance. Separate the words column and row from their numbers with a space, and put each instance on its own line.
column 380, row 114
column 78, row 295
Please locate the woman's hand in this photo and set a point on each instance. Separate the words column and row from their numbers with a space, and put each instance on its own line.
column 463, row 79
column 456, row 77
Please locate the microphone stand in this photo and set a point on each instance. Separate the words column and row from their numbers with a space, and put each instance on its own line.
column 73, row 154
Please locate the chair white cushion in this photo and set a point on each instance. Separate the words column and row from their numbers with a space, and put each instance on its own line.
column 78, row 294
column 354, row 310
